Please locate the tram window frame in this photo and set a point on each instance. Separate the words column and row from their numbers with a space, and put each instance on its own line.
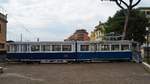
column 105, row 47
column 67, row 49
column 126, row 47
column 56, row 47
column 93, row 47
column 24, row 48
column 84, row 48
column 35, row 48
column 115, row 47
column 16, row 48
column 45, row 47
column 98, row 47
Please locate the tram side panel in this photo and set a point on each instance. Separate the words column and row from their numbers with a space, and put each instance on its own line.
column 40, row 56
column 16, row 54
column 105, row 56
column 100, row 51
column 70, row 56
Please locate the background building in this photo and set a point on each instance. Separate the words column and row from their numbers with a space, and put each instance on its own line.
column 79, row 35
column 146, row 11
column 3, row 27
column 146, row 47
column 98, row 33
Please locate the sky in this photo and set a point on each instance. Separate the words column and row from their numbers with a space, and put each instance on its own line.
column 55, row 20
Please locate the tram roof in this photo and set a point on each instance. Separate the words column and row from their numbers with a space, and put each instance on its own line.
column 69, row 42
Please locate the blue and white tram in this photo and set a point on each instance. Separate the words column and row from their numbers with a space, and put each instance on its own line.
column 70, row 51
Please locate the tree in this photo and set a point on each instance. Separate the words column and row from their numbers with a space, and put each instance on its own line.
column 128, row 5
column 136, row 25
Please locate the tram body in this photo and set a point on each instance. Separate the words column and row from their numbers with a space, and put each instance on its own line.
column 67, row 51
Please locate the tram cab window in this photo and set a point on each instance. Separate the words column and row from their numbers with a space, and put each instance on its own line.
column 124, row 47
column 84, row 47
column 56, row 47
column 66, row 47
column 45, row 47
column 35, row 48
column 16, row 48
column 114, row 47
column 105, row 47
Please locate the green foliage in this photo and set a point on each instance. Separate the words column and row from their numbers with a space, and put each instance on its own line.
column 136, row 25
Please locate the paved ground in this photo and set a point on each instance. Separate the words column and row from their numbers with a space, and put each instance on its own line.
column 95, row 73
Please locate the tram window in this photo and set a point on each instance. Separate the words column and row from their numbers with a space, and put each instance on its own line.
column 56, row 47
column 16, row 48
column 35, row 48
column 105, row 47
column 84, row 48
column 114, row 47
column 24, row 48
column 66, row 47
column 45, row 47
column 124, row 47
column 93, row 47
column 98, row 47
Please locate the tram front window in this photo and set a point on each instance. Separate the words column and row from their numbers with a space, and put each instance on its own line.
column 84, row 48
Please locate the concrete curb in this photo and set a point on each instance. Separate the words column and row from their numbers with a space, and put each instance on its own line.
column 146, row 66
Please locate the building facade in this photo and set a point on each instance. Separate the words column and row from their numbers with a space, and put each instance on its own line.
column 79, row 35
column 98, row 33
column 3, row 28
column 92, row 36
column 146, row 47
column 146, row 11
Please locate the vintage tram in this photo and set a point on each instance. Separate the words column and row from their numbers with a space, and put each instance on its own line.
column 71, row 51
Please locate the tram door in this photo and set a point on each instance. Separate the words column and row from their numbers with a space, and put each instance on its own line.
column 136, row 53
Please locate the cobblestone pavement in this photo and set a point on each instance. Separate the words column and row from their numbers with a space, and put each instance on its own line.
column 94, row 73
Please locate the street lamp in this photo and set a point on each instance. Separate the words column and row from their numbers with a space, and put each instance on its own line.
column 147, row 43
column 126, row 5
